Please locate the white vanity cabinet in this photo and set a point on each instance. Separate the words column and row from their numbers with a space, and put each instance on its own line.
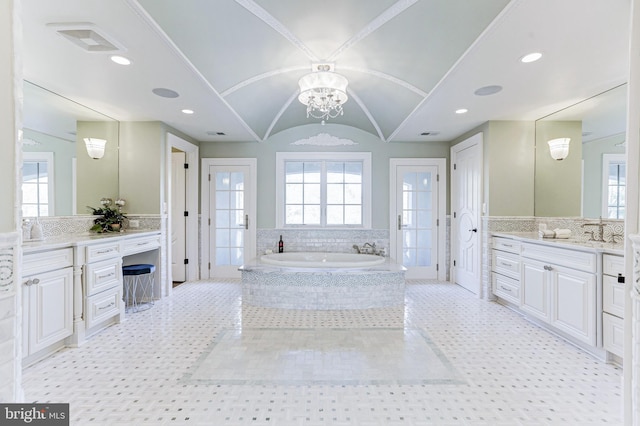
column 102, row 283
column 47, row 301
column 506, row 269
column 613, row 304
column 559, row 287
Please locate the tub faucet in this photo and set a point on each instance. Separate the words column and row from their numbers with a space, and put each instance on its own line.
column 369, row 248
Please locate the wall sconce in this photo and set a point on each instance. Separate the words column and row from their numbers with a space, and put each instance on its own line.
column 95, row 147
column 559, row 148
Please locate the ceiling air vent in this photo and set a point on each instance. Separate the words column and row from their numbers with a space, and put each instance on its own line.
column 88, row 37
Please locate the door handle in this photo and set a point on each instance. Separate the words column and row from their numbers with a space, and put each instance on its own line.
column 399, row 222
column 473, row 230
column 246, row 221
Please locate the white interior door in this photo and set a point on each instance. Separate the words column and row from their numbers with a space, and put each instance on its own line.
column 466, row 196
column 178, row 219
column 231, row 216
column 417, row 211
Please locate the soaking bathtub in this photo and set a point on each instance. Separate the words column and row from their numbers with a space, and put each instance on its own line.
column 322, row 281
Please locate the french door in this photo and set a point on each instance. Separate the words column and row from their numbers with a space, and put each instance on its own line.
column 417, row 214
column 229, row 207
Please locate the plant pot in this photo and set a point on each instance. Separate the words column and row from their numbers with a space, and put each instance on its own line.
column 115, row 227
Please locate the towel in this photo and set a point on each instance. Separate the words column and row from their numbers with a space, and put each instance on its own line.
column 562, row 233
column 545, row 233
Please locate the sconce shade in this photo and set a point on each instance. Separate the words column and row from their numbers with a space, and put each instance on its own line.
column 95, row 147
column 559, row 148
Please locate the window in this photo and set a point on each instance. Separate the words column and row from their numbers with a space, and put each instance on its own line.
column 323, row 190
column 614, row 168
column 37, row 184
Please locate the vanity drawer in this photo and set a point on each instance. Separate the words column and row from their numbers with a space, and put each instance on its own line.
column 103, row 275
column 613, row 296
column 613, row 334
column 575, row 259
column 103, row 251
column 506, row 263
column 139, row 245
column 506, row 244
column 36, row 263
column 612, row 265
column 506, row 288
column 103, row 306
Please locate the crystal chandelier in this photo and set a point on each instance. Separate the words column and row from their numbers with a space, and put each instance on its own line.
column 323, row 92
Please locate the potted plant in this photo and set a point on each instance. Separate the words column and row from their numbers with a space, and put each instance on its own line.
column 110, row 218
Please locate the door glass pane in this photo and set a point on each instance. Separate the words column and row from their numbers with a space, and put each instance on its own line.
column 222, row 218
column 417, row 218
column 222, row 200
column 229, row 216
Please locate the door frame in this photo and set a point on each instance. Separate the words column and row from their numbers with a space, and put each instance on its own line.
column 476, row 139
column 441, row 164
column 252, row 163
column 191, row 195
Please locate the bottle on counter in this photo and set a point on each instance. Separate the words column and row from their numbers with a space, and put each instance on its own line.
column 280, row 245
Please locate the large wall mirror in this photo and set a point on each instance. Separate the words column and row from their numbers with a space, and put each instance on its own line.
column 590, row 181
column 59, row 177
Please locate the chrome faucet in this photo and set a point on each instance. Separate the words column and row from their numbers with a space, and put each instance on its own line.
column 600, row 226
column 370, row 248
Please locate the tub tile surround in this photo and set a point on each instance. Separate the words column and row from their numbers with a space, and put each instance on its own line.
column 327, row 240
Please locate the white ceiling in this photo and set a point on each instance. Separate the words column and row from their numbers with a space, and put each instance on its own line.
column 410, row 63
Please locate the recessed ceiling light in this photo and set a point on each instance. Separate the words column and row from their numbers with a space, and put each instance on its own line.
column 462, row 111
column 488, row 90
column 121, row 60
column 187, row 111
column 531, row 57
column 165, row 93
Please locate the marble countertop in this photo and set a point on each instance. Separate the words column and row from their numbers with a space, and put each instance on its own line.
column 74, row 240
column 590, row 246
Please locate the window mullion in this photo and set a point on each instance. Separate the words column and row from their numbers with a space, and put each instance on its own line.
column 323, row 193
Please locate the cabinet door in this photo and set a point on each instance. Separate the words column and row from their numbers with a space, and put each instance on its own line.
column 574, row 303
column 535, row 289
column 50, row 308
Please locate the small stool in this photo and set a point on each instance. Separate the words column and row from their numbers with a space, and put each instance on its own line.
column 138, row 286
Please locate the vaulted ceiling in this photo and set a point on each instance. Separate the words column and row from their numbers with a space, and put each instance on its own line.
column 410, row 63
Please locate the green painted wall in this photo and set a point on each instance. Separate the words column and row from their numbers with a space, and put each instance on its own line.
column 558, row 184
column 96, row 179
column 508, row 166
column 381, row 152
column 141, row 166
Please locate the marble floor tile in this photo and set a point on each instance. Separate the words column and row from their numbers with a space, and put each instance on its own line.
column 159, row 367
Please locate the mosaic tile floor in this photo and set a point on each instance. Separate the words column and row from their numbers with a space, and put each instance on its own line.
column 149, row 370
